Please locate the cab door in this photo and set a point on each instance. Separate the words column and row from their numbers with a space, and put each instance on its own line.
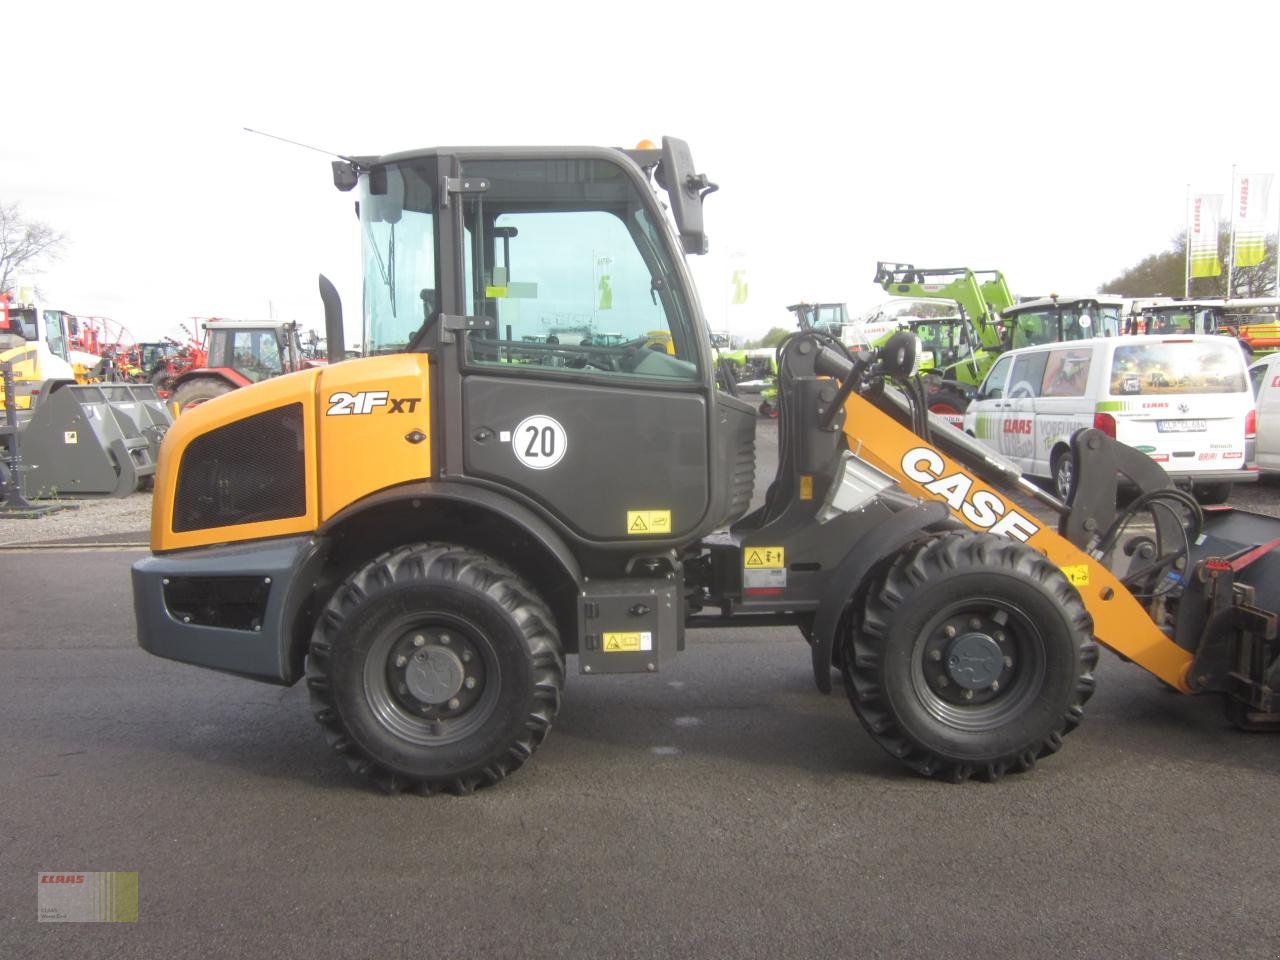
column 985, row 416
column 1018, row 432
column 589, row 392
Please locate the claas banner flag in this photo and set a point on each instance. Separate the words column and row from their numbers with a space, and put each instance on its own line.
column 1252, row 193
column 1206, row 209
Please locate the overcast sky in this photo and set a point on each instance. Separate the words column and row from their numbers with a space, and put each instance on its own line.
column 1054, row 142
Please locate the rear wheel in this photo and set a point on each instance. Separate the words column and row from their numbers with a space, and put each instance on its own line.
column 434, row 667
column 949, row 403
column 198, row 391
column 1213, row 493
column 974, row 657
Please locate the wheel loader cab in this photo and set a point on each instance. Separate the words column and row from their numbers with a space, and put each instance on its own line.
column 509, row 269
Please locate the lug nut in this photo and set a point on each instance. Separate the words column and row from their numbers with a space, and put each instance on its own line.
column 455, row 703
column 975, row 623
column 444, row 638
column 999, row 636
column 401, row 660
column 1008, row 662
column 419, row 640
column 469, row 683
column 466, row 656
column 935, row 654
column 943, row 681
column 968, row 694
column 995, row 686
column 403, row 689
column 948, row 631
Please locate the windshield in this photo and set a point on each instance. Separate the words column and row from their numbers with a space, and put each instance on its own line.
column 22, row 326
column 397, row 232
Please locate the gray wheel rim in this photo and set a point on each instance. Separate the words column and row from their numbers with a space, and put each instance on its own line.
column 390, row 709
column 1009, row 629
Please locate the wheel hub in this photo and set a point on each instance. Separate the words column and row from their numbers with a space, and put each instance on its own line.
column 970, row 658
column 435, row 674
column 974, row 661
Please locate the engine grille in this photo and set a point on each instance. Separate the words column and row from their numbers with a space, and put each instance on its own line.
column 245, row 472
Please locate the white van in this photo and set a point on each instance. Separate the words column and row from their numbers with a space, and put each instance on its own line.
column 1184, row 400
column 1265, row 375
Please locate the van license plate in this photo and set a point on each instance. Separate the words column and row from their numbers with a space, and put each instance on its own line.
column 1181, row 426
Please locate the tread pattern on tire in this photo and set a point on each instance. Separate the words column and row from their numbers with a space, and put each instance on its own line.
column 199, row 390
column 914, row 568
column 422, row 563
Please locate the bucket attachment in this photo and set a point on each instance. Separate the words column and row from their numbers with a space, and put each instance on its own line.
column 92, row 440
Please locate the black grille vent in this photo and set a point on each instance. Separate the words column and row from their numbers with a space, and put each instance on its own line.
column 245, row 472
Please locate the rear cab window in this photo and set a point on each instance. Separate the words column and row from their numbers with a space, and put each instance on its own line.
column 1176, row 367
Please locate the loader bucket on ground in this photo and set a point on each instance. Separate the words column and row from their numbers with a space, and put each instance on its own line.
column 94, row 440
column 141, row 404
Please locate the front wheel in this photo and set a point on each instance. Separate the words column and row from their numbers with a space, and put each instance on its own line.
column 434, row 667
column 974, row 657
column 1063, row 470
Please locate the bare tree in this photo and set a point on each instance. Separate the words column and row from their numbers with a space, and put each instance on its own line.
column 24, row 244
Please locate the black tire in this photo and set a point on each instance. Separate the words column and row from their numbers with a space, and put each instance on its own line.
column 1063, row 477
column 907, row 668
column 768, row 410
column 1213, row 493
column 198, row 391
column 436, row 730
column 948, row 402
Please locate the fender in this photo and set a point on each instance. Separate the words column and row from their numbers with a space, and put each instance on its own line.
column 472, row 495
column 863, row 555
column 230, row 375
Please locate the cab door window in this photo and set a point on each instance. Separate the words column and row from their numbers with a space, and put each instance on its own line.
column 53, row 333
column 565, row 259
column 993, row 386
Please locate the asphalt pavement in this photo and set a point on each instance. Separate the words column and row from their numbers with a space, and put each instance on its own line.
column 722, row 808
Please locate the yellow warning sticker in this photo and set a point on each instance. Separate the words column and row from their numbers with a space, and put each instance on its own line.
column 1077, row 573
column 640, row 522
column 495, row 293
column 627, row 642
column 764, row 558
column 806, row 487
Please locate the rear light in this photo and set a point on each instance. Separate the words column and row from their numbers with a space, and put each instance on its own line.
column 1106, row 423
column 1251, row 425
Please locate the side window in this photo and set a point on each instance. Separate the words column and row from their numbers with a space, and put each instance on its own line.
column 1067, row 373
column 1028, row 374
column 993, row 386
column 1256, row 376
column 53, row 333
column 565, row 259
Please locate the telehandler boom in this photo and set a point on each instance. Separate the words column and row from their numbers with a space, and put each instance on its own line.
column 426, row 533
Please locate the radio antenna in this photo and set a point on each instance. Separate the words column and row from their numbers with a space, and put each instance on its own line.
column 305, row 146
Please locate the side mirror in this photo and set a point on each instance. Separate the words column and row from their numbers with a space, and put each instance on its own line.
column 686, row 191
